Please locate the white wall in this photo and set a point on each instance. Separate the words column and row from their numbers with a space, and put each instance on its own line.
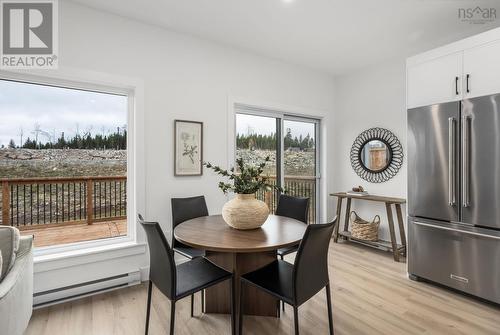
column 184, row 78
column 370, row 97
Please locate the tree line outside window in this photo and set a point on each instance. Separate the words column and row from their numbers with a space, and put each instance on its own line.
column 112, row 141
column 268, row 142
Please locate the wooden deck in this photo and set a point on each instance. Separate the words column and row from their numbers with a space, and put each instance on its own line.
column 76, row 233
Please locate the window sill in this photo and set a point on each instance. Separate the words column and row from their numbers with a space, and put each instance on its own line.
column 90, row 254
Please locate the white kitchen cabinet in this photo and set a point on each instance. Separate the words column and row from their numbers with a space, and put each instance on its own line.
column 482, row 70
column 435, row 81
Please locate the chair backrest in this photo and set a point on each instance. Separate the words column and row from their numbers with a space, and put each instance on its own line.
column 184, row 209
column 310, row 272
column 293, row 207
column 162, row 271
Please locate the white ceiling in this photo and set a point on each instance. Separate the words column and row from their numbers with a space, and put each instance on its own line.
column 330, row 35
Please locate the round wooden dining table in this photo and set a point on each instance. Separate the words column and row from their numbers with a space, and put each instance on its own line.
column 240, row 251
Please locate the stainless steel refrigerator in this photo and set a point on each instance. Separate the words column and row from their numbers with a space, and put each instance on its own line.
column 454, row 195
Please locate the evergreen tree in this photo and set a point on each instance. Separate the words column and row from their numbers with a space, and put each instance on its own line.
column 29, row 144
column 288, row 140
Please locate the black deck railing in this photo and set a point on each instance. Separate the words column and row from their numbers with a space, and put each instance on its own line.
column 298, row 186
column 31, row 202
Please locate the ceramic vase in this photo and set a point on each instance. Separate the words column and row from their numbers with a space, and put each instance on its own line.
column 245, row 212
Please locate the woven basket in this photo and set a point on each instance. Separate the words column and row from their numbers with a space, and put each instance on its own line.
column 364, row 230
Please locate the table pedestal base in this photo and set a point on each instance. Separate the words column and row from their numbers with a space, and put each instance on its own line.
column 257, row 302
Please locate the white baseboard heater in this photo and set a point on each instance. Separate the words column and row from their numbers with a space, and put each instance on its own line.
column 77, row 291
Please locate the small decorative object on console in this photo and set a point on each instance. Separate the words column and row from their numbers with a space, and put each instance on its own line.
column 359, row 191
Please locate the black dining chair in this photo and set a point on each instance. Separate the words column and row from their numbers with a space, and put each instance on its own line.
column 295, row 208
column 184, row 209
column 295, row 284
column 179, row 281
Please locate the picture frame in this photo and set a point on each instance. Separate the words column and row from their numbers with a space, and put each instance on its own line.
column 188, row 148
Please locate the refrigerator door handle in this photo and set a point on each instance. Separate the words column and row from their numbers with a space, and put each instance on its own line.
column 465, row 160
column 451, row 161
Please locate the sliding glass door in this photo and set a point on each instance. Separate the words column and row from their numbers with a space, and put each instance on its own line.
column 300, row 161
column 257, row 138
column 291, row 144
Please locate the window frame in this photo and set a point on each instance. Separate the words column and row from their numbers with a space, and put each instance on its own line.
column 282, row 115
column 107, row 84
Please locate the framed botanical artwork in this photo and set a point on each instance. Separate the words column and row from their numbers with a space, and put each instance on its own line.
column 188, row 148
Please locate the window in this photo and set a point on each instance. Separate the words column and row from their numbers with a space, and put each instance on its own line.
column 291, row 144
column 63, row 162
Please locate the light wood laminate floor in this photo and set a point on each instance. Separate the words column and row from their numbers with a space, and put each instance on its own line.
column 371, row 295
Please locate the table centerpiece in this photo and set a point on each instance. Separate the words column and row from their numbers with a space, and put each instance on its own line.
column 244, row 211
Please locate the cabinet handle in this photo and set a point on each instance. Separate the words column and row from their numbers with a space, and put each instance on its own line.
column 467, row 83
column 456, row 86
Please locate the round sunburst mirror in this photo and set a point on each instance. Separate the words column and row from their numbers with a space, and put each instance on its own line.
column 376, row 155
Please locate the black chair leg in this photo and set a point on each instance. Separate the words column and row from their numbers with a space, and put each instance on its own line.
column 148, row 310
column 240, row 325
column 172, row 317
column 329, row 303
column 282, row 303
column 296, row 319
column 233, row 303
column 278, row 308
column 192, row 305
column 203, row 301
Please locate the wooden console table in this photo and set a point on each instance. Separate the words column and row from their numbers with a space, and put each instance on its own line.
column 396, row 249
